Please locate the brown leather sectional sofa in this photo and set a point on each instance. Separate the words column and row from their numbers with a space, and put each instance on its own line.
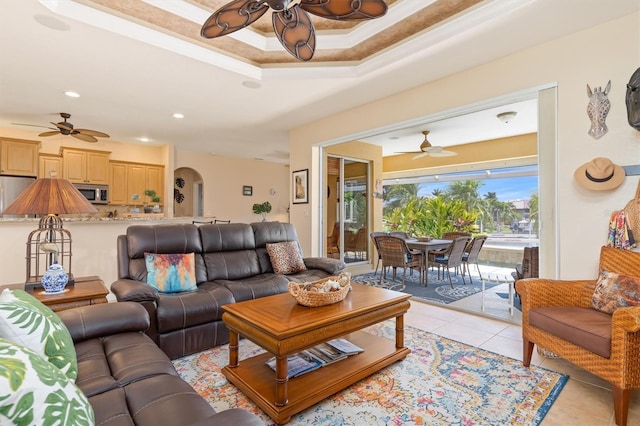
column 128, row 379
column 232, row 265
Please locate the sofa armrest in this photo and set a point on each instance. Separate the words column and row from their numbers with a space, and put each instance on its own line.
column 88, row 322
column 127, row 290
column 232, row 416
column 327, row 264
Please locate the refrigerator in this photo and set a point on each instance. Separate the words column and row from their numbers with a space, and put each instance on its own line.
column 10, row 188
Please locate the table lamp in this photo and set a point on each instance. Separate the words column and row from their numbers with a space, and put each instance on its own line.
column 50, row 243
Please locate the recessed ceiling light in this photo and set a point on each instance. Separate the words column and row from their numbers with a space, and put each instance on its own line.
column 144, row 139
column 251, row 84
column 51, row 22
column 178, row 115
column 72, row 94
column 393, row 138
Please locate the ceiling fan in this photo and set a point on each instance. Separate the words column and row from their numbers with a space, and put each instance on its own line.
column 291, row 23
column 66, row 128
column 427, row 149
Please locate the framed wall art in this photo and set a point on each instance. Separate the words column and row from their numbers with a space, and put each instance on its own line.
column 247, row 190
column 300, row 188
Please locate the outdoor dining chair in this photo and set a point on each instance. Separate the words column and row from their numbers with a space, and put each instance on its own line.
column 395, row 254
column 451, row 258
column 373, row 236
column 471, row 254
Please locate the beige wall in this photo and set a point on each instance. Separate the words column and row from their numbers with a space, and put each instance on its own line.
column 223, row 179
column 607, row 52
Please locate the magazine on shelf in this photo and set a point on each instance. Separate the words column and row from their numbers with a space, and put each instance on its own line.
column 326, row 353
column 345, row 346
column 297, row 364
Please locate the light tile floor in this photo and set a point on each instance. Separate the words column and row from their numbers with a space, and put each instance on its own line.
column 585, row 400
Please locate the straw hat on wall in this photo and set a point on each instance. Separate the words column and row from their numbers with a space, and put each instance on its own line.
column 600, row 174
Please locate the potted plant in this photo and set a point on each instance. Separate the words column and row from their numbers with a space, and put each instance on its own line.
column 263, row 209
column 151, row 193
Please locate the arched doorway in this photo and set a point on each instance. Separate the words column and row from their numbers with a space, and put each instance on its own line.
column 188, row 193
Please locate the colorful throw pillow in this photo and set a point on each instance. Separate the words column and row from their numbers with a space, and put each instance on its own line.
column 27, row 322
column 35, row 392
column 286, row 257
column 615, row 291
column 171, row 273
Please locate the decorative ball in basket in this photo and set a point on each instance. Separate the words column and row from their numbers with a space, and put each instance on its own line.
column 322, row 292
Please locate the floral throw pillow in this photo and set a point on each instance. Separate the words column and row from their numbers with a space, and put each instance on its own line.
column 27, row 322
column 615, row 291
column 171, row 273
column 35, row 392
column 286, row 257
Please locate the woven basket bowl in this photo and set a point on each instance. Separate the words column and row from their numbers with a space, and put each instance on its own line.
column 424, row 239
column 314, row 299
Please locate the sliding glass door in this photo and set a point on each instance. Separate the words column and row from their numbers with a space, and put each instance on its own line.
column 347, row 209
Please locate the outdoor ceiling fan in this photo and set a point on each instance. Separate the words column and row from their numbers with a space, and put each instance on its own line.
column 66, row 128
column 291, row 23
column 426, row 149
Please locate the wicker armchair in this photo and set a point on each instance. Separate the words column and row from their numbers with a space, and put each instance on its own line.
column 396, row 254
column 572, row 302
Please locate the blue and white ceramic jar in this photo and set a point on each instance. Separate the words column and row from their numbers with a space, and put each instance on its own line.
column 55, row 279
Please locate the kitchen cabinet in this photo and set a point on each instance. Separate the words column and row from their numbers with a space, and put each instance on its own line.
column 85, row 166
column 19, row 157
column 50, row 166
column 128, row 179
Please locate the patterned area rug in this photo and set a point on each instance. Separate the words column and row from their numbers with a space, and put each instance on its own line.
column 439, row 290
column 442, row 382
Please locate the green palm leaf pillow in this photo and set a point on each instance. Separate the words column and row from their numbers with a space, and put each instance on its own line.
column 34, row 392
column 27, row 322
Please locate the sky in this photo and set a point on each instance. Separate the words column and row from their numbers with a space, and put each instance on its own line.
column 506, row 189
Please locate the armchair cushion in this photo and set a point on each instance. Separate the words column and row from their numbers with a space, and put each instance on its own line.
column 171, row 273
column 584, row 327
column 615, row 291
column 285, row 257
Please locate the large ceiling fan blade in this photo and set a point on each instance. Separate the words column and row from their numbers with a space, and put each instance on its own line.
column 422, row 154
column 33, row 125
column 86, row 138
column 51, row 133
column 232, row 17
column 295, row 31
column 92, row 133
column 345, row 10
column 442, row 153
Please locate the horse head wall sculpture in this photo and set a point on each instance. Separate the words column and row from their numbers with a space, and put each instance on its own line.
column 597, row 110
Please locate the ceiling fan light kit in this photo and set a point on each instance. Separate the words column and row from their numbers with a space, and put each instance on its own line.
column 291, row 22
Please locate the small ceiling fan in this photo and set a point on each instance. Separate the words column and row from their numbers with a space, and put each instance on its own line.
column 427, row 149
column 66, row 128
column 292, row 24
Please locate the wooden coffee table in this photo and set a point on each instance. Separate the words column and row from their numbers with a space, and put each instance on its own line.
column 282, row 327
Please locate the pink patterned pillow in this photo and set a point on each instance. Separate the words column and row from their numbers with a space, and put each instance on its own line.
column 285, row 257
column 615, row 291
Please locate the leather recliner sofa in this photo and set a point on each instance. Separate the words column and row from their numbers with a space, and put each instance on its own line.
column 232, row 265
column 128, row 380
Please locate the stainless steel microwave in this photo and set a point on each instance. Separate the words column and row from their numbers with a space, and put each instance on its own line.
column 96, row 194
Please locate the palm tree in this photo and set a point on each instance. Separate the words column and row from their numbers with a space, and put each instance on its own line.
column 465, row 191
column 399, row 195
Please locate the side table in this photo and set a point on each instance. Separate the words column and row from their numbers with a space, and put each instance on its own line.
column 86, row 291
column 499, row 279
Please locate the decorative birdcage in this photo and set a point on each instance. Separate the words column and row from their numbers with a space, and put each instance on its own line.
column 49, row 243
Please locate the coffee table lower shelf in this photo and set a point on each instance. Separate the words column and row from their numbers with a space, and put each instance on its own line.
column 258, row 382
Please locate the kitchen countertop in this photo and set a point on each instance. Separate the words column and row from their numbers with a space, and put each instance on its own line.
column 125, row 217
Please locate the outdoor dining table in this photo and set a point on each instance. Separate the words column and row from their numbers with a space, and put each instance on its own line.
column 426, row 247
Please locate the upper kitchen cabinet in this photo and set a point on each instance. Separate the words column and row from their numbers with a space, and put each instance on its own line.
column 50, row 166
column 85, row 165
column 19, row 157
